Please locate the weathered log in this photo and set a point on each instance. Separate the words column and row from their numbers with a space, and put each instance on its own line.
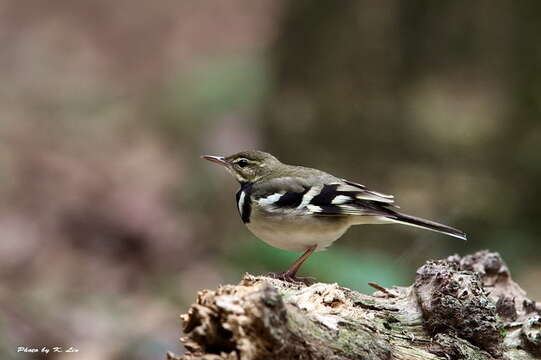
column 457, row 308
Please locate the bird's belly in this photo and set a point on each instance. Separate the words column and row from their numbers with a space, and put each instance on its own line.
column 298, row 233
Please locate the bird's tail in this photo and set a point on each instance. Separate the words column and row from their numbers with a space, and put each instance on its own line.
column 427, row 224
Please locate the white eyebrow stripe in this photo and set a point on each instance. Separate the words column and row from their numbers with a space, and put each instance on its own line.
column 271, row 199
column 309, row 196
column 241, row 201
column 341, row 199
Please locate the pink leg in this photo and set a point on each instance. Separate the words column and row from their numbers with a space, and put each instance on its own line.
column 289, row 275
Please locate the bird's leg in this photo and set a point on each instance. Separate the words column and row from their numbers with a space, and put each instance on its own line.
column 289, row 275
column 292, row 271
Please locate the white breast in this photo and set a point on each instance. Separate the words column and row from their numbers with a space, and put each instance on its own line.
column 297, row 233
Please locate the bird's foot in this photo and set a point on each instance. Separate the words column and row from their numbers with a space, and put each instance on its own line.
column 290, row 277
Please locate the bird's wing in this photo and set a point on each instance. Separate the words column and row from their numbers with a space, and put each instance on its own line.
column 320, row 195
column 280, row 193
column 366, row 194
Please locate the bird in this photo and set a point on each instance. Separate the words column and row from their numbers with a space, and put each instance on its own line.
column 301, row 209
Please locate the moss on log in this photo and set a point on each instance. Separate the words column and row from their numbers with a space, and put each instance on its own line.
column 457, row 308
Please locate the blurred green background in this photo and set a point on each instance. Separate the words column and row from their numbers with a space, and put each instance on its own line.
column 110, row 222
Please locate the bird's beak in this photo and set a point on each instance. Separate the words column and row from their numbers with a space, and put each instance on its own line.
column 216, row 159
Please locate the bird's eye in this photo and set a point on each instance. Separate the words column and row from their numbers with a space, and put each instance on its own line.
column 242, row 163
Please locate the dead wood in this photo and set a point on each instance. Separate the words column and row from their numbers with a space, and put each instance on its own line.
column 458, row 308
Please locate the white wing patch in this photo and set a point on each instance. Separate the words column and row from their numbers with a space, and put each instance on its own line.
column 357, row 185
column 380, row 194
column 375, row 197
column 364, row 193
column 271, row 199
column 341, row 199
column 315, row 190
column 314, row 209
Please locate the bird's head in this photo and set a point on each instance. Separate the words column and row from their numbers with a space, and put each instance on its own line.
column 247, row 166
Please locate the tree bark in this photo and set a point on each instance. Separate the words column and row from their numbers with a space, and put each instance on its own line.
column 457, row 308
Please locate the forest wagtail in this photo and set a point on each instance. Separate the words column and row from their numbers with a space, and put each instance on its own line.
column 297, row 208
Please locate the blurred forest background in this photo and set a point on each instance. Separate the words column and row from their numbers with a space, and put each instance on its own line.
column 109, row 220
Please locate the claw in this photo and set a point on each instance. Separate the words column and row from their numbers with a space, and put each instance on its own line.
column 289, row 277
